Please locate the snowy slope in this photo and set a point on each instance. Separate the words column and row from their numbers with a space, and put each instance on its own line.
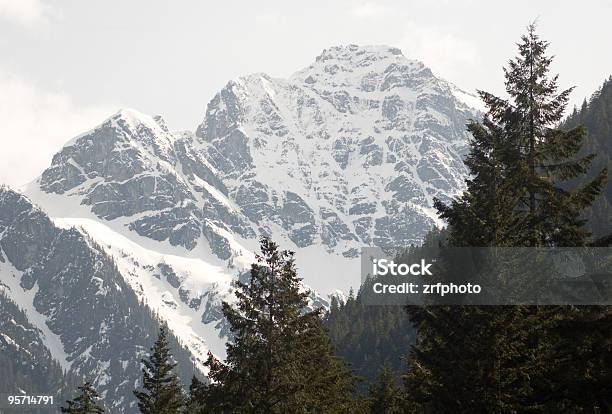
column 350, row 151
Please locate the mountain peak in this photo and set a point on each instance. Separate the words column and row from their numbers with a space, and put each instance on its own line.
column 126, row 117
column 352, row 52
column 365, row 56
column 135, row 118
column 353, row 61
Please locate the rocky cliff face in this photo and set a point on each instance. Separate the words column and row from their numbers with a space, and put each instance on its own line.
column 131, row 166
column 27, row 364
column 347, row 152
column 80, row 311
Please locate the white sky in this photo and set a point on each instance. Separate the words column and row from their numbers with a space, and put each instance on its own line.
column 65, row 65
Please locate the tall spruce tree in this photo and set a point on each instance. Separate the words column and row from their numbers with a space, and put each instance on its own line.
column 519, row 159
column 162, row 392
column 548, row 155
column 385, row 395
column 280, row 359
column 87, row 402
column 479, row 359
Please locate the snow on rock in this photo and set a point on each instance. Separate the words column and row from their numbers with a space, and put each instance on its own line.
column 348, row 152
column 87, row 314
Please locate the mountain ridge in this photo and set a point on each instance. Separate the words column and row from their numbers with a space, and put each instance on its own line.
column 347, row 152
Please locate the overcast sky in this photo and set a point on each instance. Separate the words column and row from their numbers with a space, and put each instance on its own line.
column 65, row 65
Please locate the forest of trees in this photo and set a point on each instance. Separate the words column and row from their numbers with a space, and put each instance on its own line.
column 534, row 183
column 595, row 115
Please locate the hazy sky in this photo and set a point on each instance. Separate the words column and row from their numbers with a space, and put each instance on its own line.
column 65, row 65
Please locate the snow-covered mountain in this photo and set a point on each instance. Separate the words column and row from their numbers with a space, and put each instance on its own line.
column 346, row 153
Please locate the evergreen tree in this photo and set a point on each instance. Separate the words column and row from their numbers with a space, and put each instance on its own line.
column 162, row 393
column 86, row 403
column 479, row 359
column 596, row 116
column 385, row 396
column 368, row 337
column 196, row 403
column 581, row 361
column 519, row 158
column 280, row 359
column 585, row 343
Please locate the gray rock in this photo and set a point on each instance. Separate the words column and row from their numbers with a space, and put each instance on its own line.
column 103, row 328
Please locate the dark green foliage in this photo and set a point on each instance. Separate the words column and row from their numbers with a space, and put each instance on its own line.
column 196, row 402
column 596, row 116
column 280, row 359
column 385, row 395
column 516, row 359
column 473, row 359
column 368, row 337
column 470, row 358
column 580, row 368
column 519, row 159
column 162, row 393
column 87, row 402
